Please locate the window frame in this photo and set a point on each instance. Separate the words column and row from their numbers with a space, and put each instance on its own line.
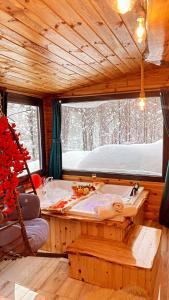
column 121, row 96
column 27, row 100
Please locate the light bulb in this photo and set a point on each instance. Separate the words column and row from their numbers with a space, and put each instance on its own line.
column 142, row 103
column 140, row 31
column 123, row 6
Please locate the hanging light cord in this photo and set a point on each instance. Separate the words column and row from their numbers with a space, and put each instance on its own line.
column 142, row 93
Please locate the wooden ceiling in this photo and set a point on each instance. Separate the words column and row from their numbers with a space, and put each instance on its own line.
column 54, row 46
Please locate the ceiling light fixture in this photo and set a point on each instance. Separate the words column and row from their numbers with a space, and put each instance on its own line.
column 142, row 92
column 123, row 6
column 140, row 31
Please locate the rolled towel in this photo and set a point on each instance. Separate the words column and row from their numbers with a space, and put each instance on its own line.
column 117, row 203
column 103, row 213
column 118, row 206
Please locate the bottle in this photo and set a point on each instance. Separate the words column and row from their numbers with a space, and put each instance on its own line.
column 93, row 180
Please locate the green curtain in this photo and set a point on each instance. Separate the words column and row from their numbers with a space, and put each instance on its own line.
column 3, row 95
column 55, row 161
column 164, row 209
column 3, row 98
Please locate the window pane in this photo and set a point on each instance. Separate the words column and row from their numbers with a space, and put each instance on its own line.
column 113, row 136
column 26, row 118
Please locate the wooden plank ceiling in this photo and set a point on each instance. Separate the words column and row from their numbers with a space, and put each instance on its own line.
column 51, row 47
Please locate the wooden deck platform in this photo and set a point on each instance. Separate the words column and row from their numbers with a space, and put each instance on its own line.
column 113, row 264
column 47, row 279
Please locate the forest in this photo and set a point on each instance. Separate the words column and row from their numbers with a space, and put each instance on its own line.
column 88, row 125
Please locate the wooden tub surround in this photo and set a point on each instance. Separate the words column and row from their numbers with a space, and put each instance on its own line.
column 64, row 229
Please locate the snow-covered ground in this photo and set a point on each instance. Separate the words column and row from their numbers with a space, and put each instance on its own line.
column 71, row 159
column 142, row 159
column 145, row 159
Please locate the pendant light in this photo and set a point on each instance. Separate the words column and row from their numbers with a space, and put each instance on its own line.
column 123, row 6
column 140, row 30
column 142, row 92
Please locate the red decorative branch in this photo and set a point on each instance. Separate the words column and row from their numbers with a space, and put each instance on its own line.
column 11, row 164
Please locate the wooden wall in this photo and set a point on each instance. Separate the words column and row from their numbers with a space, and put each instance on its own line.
column 156, row 78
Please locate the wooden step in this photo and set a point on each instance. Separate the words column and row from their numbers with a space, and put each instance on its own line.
column 113, row 264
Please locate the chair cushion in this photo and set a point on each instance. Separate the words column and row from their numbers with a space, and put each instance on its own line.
column 37, row 231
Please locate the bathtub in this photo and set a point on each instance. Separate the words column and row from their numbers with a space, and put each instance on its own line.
column 56, row 190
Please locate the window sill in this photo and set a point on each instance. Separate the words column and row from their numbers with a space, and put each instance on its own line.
column 135, row 177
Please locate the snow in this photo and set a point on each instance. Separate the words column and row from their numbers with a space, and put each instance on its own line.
column 33, row 167
column 71, row 159
column 85, row 104
column 142, row 159
column 145, row 159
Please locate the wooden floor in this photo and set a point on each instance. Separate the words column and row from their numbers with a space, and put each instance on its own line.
column 47, row 279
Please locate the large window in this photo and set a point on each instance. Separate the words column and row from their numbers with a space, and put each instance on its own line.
column 113, row 136
column 26, row 115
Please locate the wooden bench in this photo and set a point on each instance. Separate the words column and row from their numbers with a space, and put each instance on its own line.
column 115, row 265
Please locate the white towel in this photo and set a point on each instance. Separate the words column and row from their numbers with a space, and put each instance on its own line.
column 103, row 213
column 118, row 206
column 117, row 203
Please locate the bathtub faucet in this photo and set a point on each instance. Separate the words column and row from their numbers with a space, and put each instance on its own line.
column 46, row 180
column 134, row 189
